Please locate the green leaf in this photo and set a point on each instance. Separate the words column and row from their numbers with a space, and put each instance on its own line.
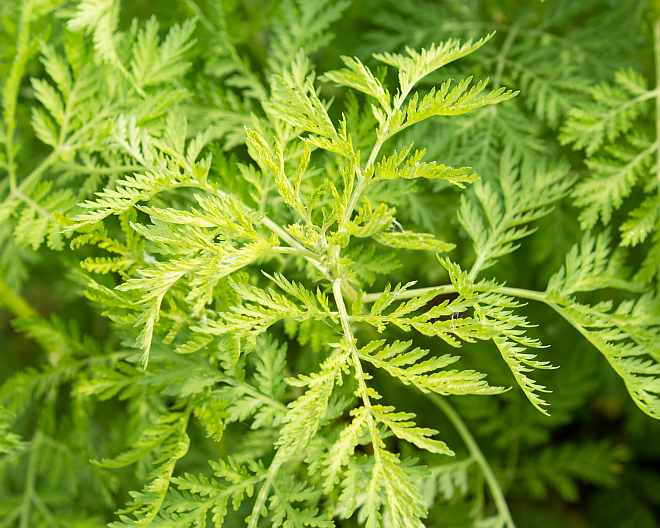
column 613, row 180
column 410, row 240
column 163, row 428
column 295, row 101
column 390, row 168
column 10, row 443
column 357, row 76
column 458, row 101
column 405, row 429
column 615, row 109
column 419, row 64
column 641, row 222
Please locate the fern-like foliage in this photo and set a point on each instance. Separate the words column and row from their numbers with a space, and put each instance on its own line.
column 215, row 215
column 74, row 112
column 617, row 165
column 561, row 468
column 168, row 436
column 200, row 247
column 10, row 442
column 525, row 194
column 627, row 336
column 536, row 48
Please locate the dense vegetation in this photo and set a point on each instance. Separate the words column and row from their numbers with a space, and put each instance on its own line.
column 320, row 263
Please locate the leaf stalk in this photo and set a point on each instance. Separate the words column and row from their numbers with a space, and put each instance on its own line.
column 475, row 451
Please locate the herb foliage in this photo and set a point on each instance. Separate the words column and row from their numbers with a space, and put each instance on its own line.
column 289, row 330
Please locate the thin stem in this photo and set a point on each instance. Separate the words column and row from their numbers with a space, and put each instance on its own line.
column 14, row 303
column 260, row 503
column 34, row 205
column 280, row 232
column 264, row 196
column 362, row 184
column 523, row 294
column 499, row 72
column 357, row 365
column 30, row 480
column 450, row 288
column 501, row 58
column 201, row 16
column 485, row 252
column 475, row 451
column 354, row 198
column 52, row 157
column 295, row 251
column 41, row 506
column 260, row 93
column 70, row 104
column 313, row 258
column 101, row 170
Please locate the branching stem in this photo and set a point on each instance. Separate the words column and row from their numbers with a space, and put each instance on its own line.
column 260, row 503
column 297, row 247
column 450, row 288
column 70, row 144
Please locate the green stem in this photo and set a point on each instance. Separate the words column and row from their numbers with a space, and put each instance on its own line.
column 260, row 503
column 201, row 16
column 264, row 196
column 362, row 184
column 30, row 480
column 34, row 205
column 14, row 303
column 101, row 170
column 41, row 506
column 450, row 288
column 299, row 252
column 260, row 93
column 475, row 451
column 359, row 373
column 499, row 72
column 281, row 233
column 275, row 228
column 501, row 58
column 523, row 294
column 52, row 157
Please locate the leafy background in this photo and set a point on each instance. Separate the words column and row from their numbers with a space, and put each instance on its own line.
column 594, row 462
